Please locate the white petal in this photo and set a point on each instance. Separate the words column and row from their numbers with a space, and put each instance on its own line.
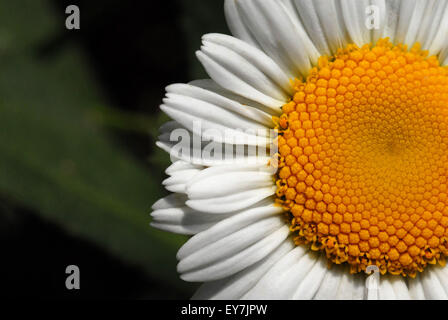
column 183, row 220
column 283, row 279
column 246, row 70
column 391, row 22
column 233, row 83
column 210, row 85
column 212, row 131
column 411, row 15
column 400, row 288
column 432, row 287
column 442, row 275
column 439, row 43
column 224, row 182
column 229, row 245
column 236, row 24
column 351, row 287
column 222, row 170
column 220, row 189
column 358, row 281
column 240, row 261
column 179, row 179
column 236, row 286
column 256, row 57
column 330, row 284
column 199, row 156
column 181, row 166
column 354, row 14
column 313, row 280
column 434, row 13
column 416, row 289
column 382, row 15
column 189, row 147
column 213, row 122
column 386, row 291
column 229, row 226
column 285, row 40
column 310, row 19
column 232, row 202
column 182, row 215
column 174, row 200
column 333, row 28
column 181, row 228
column 299, row 28
column 211, row 96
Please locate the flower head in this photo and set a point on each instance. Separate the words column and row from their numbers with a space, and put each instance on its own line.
column 317, row 150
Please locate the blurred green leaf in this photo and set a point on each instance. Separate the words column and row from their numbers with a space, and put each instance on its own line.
column 55, row 156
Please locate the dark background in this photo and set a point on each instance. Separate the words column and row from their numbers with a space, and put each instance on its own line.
column 79, row 115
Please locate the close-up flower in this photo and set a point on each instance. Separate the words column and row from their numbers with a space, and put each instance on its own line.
column 316, row 153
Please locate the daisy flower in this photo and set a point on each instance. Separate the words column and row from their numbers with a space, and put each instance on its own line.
column 335, row 117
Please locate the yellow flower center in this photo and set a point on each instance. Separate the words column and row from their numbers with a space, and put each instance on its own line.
column 363, row 159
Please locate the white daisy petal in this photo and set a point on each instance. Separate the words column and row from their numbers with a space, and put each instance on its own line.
column 218, row 99
column 236, row 23
column 432, row 287
column 282, row 280
column 416, row 289
column 228, row 226
column 439, row 42
column 236, row 286
column 311, row 22
column 181, row 228
column 226, row 183
column 313, row 280
column 400, row 288
column 213, row 122
column 411, row 16
column 240, row 261
column 183, row 220
column 292, row 49
column 229, row 245
column 171, row 214
column 258, row 58
column 299, row 28
column 434, row 13
column 231, row 59
column 205, row 153
column 391, row 21
column 213, row 131
column 386, row 291
column 178, row 179
column 351, row 287
column 229, row 188
column 222, row 170
column 172, row 201
column 442, row 274
column 233, row 83
column 210, row 85
column 382, row 14
column 181, row 166
column 333, row 28
column 354, row 13
column 330, row 284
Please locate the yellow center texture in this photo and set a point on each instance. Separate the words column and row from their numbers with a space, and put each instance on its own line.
column 363, row 159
